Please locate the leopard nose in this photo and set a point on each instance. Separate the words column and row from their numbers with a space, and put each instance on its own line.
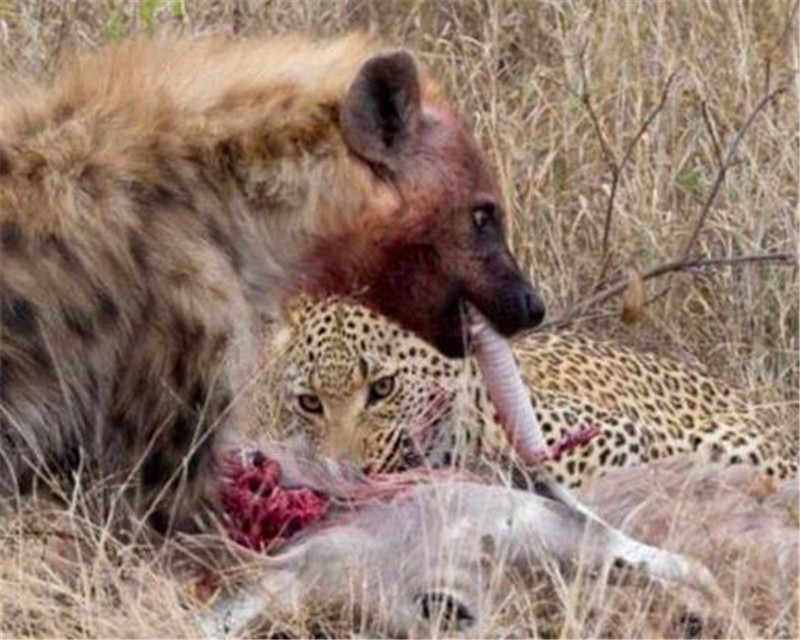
column 344, row 447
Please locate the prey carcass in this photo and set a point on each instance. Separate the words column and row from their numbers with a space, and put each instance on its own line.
column 411, row 552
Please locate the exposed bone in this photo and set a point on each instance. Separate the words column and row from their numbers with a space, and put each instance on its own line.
column 507, row 391
column 510, row 396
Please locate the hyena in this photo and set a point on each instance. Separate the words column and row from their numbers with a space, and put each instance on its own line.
column 157, row 196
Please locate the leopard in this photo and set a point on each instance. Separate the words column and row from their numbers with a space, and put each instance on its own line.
column 354, row 385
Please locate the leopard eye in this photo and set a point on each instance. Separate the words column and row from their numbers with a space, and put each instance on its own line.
column 310, row 403
column 380, row 389
column 484, row 216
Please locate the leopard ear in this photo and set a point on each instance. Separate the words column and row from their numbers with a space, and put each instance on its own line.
column 281, row 340
column 295, row 310
column 293, row 314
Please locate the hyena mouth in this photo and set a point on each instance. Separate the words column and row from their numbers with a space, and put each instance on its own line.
column 453, row 336
column 516, row 307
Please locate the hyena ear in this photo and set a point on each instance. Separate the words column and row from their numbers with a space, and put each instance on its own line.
column 381, row 111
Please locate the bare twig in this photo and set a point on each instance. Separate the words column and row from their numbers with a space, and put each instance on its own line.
column 723, row 170
column 649, row 119
column 712, row 133
column 618, row 285
column 684, row 262
column 586, row 98
column 615, row 166
column 617, row 172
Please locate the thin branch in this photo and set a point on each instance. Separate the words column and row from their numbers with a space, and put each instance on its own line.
column 618, row 168
column 649, row 119
column 723, row 170
column 712, row 133
column 586, row 99
column 615, row 166
column 618, row 285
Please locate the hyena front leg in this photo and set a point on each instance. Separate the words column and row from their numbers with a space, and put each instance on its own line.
column 175, row 406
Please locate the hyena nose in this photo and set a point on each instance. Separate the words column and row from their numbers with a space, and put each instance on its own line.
column 534, row 309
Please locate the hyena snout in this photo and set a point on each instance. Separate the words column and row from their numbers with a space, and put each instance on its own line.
column 527, row 308
column 513, row 305
column 521, row 309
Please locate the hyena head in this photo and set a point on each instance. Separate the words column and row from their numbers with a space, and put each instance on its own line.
column 440, row 239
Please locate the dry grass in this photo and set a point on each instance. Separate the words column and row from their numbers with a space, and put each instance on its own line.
column 520, row 70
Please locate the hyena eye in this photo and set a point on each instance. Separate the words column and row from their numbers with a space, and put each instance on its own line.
column 380, row 389
column 484, row 216
column 310, row 403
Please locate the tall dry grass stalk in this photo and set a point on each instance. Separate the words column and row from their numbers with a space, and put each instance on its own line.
column 522, row 71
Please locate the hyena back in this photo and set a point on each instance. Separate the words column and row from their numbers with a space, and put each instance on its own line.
column 159, row 196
